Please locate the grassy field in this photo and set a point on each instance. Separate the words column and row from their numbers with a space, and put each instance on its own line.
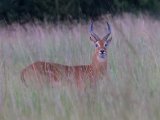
column 133, row 93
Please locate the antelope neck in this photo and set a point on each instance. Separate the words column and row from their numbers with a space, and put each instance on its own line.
column 99, row 66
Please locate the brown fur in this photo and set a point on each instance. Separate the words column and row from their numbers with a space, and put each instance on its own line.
column 56, row 72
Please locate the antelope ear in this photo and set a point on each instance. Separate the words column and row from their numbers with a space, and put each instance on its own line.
column 109, row 40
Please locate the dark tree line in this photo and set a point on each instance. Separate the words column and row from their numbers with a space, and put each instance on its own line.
column 53, row 10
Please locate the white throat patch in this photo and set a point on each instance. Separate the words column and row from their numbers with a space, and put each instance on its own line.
column 102, row 59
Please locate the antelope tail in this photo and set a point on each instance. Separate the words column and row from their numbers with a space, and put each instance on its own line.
column 22, row 77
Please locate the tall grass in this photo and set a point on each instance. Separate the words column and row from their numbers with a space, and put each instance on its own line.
column 133, row 91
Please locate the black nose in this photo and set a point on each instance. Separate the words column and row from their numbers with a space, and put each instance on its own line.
column 102, row 51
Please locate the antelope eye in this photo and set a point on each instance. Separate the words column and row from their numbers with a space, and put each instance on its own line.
column 105, row 44
column 96, row 45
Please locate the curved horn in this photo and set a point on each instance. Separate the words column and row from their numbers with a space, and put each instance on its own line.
column 109, row 31
column 94, row 37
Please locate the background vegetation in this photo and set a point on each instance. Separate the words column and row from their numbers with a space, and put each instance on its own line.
column 52, row 10
column 133, row 92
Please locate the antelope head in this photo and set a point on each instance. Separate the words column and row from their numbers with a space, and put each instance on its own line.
column 101, row 45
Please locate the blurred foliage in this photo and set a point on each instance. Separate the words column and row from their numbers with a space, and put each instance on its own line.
column 53, row 10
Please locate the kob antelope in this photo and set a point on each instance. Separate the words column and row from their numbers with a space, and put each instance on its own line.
column 55, row 72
